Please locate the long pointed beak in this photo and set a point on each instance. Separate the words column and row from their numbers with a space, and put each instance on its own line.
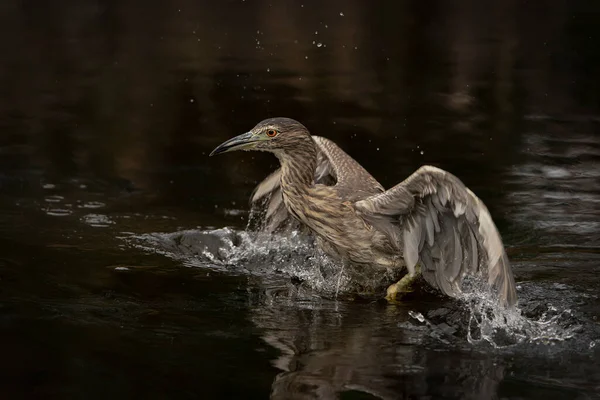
column 245, row 141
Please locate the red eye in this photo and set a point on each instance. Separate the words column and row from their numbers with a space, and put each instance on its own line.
column 271, row 133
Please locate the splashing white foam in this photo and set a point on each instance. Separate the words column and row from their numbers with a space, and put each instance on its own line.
column 503, row 327
column 263, row 255
column 486, row 321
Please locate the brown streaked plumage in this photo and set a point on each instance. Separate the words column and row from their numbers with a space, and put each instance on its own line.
column 431, row 218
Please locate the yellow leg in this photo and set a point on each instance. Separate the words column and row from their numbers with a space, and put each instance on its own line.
column 404, row 285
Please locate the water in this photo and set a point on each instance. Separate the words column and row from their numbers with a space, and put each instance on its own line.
column 125, row 270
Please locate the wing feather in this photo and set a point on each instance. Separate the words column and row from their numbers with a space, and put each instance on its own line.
column 353, row 182
column 438, row 222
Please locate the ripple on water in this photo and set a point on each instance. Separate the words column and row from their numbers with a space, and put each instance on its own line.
column 97, row 220
column 92, row 204
column 53, row 199
column 555, row 189
column 58, row 212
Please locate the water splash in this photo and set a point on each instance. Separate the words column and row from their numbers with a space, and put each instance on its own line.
column 293, row 255
column 504, row 327
column 479, row 317
column 295, row 259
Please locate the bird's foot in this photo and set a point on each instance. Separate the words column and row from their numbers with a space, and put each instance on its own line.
column 400, row 288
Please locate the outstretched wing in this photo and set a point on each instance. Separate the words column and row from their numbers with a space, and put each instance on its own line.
column 353, row 182
column 334, row 168
column 436, row 220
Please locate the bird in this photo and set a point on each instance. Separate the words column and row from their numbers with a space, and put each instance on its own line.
column 429, row 225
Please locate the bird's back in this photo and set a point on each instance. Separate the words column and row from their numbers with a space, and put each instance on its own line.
column 347, row 179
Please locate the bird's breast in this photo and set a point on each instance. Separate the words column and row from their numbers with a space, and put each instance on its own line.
column 342, row 232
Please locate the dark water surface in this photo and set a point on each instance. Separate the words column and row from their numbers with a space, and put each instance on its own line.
column 117, row 279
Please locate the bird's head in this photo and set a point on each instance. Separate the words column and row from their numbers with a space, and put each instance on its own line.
column 275, row 135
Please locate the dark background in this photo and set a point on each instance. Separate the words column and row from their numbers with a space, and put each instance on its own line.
column 108, row 110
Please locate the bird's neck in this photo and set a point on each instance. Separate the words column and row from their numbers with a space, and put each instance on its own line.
column 298, row 166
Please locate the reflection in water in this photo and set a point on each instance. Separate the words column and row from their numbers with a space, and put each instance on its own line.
column 328, row 350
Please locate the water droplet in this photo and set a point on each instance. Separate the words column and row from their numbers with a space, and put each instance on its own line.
column 422, row 152
column 191, row 100
column 268, row 69
column 319, row 44
column 417, row 315
column 341, row 14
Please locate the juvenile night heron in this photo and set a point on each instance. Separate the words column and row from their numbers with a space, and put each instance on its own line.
column 431, row 223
